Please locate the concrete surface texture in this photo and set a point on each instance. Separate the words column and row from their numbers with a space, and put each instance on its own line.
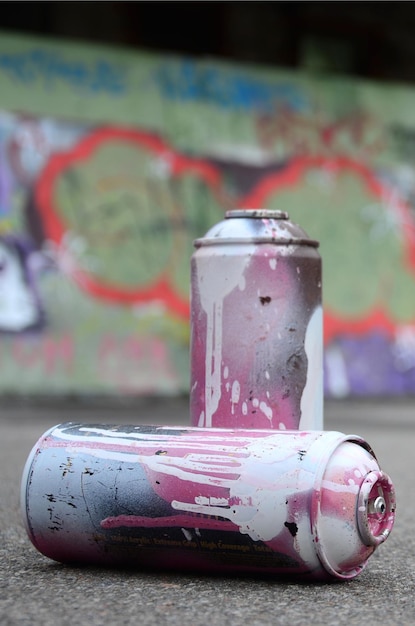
column 35, row 590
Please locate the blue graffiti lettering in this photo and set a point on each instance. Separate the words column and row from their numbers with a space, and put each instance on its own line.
column 192, row 81
column 97, row 76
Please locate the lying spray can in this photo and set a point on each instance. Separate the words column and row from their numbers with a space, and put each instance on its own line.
column 256, row 325
column 306, row 504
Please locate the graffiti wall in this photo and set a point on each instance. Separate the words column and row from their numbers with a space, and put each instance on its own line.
column 113, row 162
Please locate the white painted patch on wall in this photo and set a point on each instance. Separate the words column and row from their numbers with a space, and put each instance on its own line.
column 337, row 380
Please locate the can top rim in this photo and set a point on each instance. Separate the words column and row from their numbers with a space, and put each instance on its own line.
column 257, row 213
column 212, row 241
column 256, row 226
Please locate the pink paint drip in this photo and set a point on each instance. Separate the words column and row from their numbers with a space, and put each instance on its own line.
column 181, row 521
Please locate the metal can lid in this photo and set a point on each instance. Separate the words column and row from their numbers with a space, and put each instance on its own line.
column 376, row 508
column 365, row 513
column 256, row 226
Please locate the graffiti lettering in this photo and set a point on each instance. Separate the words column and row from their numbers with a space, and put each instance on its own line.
column 45, row 354
column 186, row 80
column 36, row 64
column 297, row 134
column 131, row 363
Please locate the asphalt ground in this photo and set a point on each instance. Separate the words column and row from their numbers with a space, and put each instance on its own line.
column 35, row 590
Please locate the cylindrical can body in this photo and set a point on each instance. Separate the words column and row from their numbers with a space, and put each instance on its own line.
column 306, row 504
column 256, row 325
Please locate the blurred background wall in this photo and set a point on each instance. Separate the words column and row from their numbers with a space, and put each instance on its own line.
column 127, row 129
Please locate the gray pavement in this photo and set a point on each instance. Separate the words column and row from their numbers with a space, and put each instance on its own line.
column 35, row 590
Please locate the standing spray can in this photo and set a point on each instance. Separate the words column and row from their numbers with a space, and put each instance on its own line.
column 310, row 504
column 256, row 325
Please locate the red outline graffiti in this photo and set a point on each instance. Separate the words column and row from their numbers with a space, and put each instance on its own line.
column 335, row 324
column 159, row 290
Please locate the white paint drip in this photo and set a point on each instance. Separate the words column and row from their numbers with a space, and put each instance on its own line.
column 217, row 276
column 213, row 360
column 104, row 454
column 266, row 410
column 273, row 264
column 312, row 396
column 236, row 392
column 250, row 504
column 106, row 436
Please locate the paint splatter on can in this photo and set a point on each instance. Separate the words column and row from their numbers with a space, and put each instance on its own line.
column 256, row 325
column 308, row 504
